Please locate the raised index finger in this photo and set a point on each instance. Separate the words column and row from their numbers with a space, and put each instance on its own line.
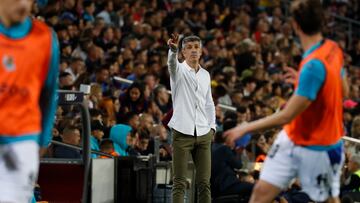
column 174, row 37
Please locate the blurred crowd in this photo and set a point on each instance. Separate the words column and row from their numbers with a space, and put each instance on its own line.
column 246, row 45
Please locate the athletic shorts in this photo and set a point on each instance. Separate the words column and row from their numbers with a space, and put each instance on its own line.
column 19, row 165
column 318, row 171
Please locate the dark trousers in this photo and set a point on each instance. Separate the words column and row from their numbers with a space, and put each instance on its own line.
column 244, row 189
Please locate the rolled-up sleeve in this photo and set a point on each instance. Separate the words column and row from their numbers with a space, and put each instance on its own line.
column 173, row 64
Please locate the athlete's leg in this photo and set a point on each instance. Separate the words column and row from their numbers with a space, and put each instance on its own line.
column 333, row 200
column 19, row 163
column 264, row 192
column 278, row 170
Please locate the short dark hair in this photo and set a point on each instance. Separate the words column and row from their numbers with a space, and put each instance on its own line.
column 69, row 129
column 95, row 112
column 87, row 4
column 191, row 38
column 229, row 124
column 219, row 137
column 97, row 125
column 144, row 134
column 64, row 74
column 133, row 133
column 158, row 89
column 309, row 15
column 249, row 80
column 129, row 115
column 101, row 68
column 230, row 115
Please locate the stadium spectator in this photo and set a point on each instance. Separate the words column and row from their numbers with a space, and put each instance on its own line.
column 224, row 180
column 107, row 146
column 165, row 148
column 355, row 127
column 121, row 135
column 76, row 68
column 162, row 98
column 142, row 144
column 96, row 96
column 70, row 135
column 134, row 99
column 352, row 175
column 97, row 133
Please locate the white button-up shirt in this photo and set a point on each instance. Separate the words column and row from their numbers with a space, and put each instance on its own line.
column 192, row 100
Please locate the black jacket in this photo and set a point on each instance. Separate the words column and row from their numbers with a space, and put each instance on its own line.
column 223, row 163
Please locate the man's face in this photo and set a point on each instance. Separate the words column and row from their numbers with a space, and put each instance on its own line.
column 91, row 8
column 140, row 70
column 192, row 51
column 15, row 11
column 163, row 95
column 79, row 66
column 134, row 122
column 104, row 75
column 163, row 133
column 251, row 86
column 352, row 166
column 143, row 144
column 98, row 134
column 355, row 93
column 241, row 117
column 76, row 137
column 109, row 34
column 110, row 6
column 72, row 137
column 237, row 99
column 66, row 81
column 148, row 122
column 150, row 81
column 356, row 127
column 131, row 141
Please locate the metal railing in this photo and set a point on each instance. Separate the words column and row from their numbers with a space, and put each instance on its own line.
column 230, row 108
column 76, row 98
column 80, row 148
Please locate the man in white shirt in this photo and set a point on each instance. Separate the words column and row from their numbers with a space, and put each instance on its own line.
column 193, row 120
column 106, row 13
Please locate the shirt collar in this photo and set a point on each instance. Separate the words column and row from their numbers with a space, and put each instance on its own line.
column 17, row 31
column 191, row 69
